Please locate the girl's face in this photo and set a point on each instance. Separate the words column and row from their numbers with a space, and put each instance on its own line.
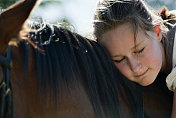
column 139, row 61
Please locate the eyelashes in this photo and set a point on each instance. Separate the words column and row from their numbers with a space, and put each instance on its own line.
column 140, row 51
column 137, row 53
column 118, row 61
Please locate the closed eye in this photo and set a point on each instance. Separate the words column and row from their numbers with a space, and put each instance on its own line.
column 140, row 51
column 119, row 61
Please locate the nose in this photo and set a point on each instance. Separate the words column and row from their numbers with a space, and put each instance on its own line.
column 134, row 64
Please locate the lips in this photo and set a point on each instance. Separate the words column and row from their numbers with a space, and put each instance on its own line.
column 140, row 75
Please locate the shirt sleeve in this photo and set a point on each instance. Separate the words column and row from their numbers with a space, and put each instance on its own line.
column 171, row 80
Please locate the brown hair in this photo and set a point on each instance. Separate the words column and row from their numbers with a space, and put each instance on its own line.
column 111, row 13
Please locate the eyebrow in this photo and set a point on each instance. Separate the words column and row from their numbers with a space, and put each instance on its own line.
column 133, row 48
column 116, row 56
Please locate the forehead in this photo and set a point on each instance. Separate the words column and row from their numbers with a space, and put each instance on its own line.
column 125, row 30
column 122, row 38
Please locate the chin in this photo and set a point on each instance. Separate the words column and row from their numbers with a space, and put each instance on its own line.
column 146, row 83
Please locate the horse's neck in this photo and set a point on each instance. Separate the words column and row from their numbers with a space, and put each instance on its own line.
column 71, row 104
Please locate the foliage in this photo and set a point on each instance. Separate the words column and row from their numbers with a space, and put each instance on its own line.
column 157, row 4
column 46, row 2
column 5, row 3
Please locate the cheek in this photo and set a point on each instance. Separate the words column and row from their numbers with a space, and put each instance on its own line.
column 152, row 57
column 124, row 69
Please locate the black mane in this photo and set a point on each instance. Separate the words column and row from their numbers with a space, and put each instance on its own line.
column 69, row 57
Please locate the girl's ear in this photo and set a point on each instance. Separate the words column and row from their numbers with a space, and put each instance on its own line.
column 12, row 20
column 158, row 32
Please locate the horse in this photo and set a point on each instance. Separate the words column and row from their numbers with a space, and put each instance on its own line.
column 50, row 72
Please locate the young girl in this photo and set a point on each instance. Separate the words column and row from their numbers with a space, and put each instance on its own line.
column 140, row 41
